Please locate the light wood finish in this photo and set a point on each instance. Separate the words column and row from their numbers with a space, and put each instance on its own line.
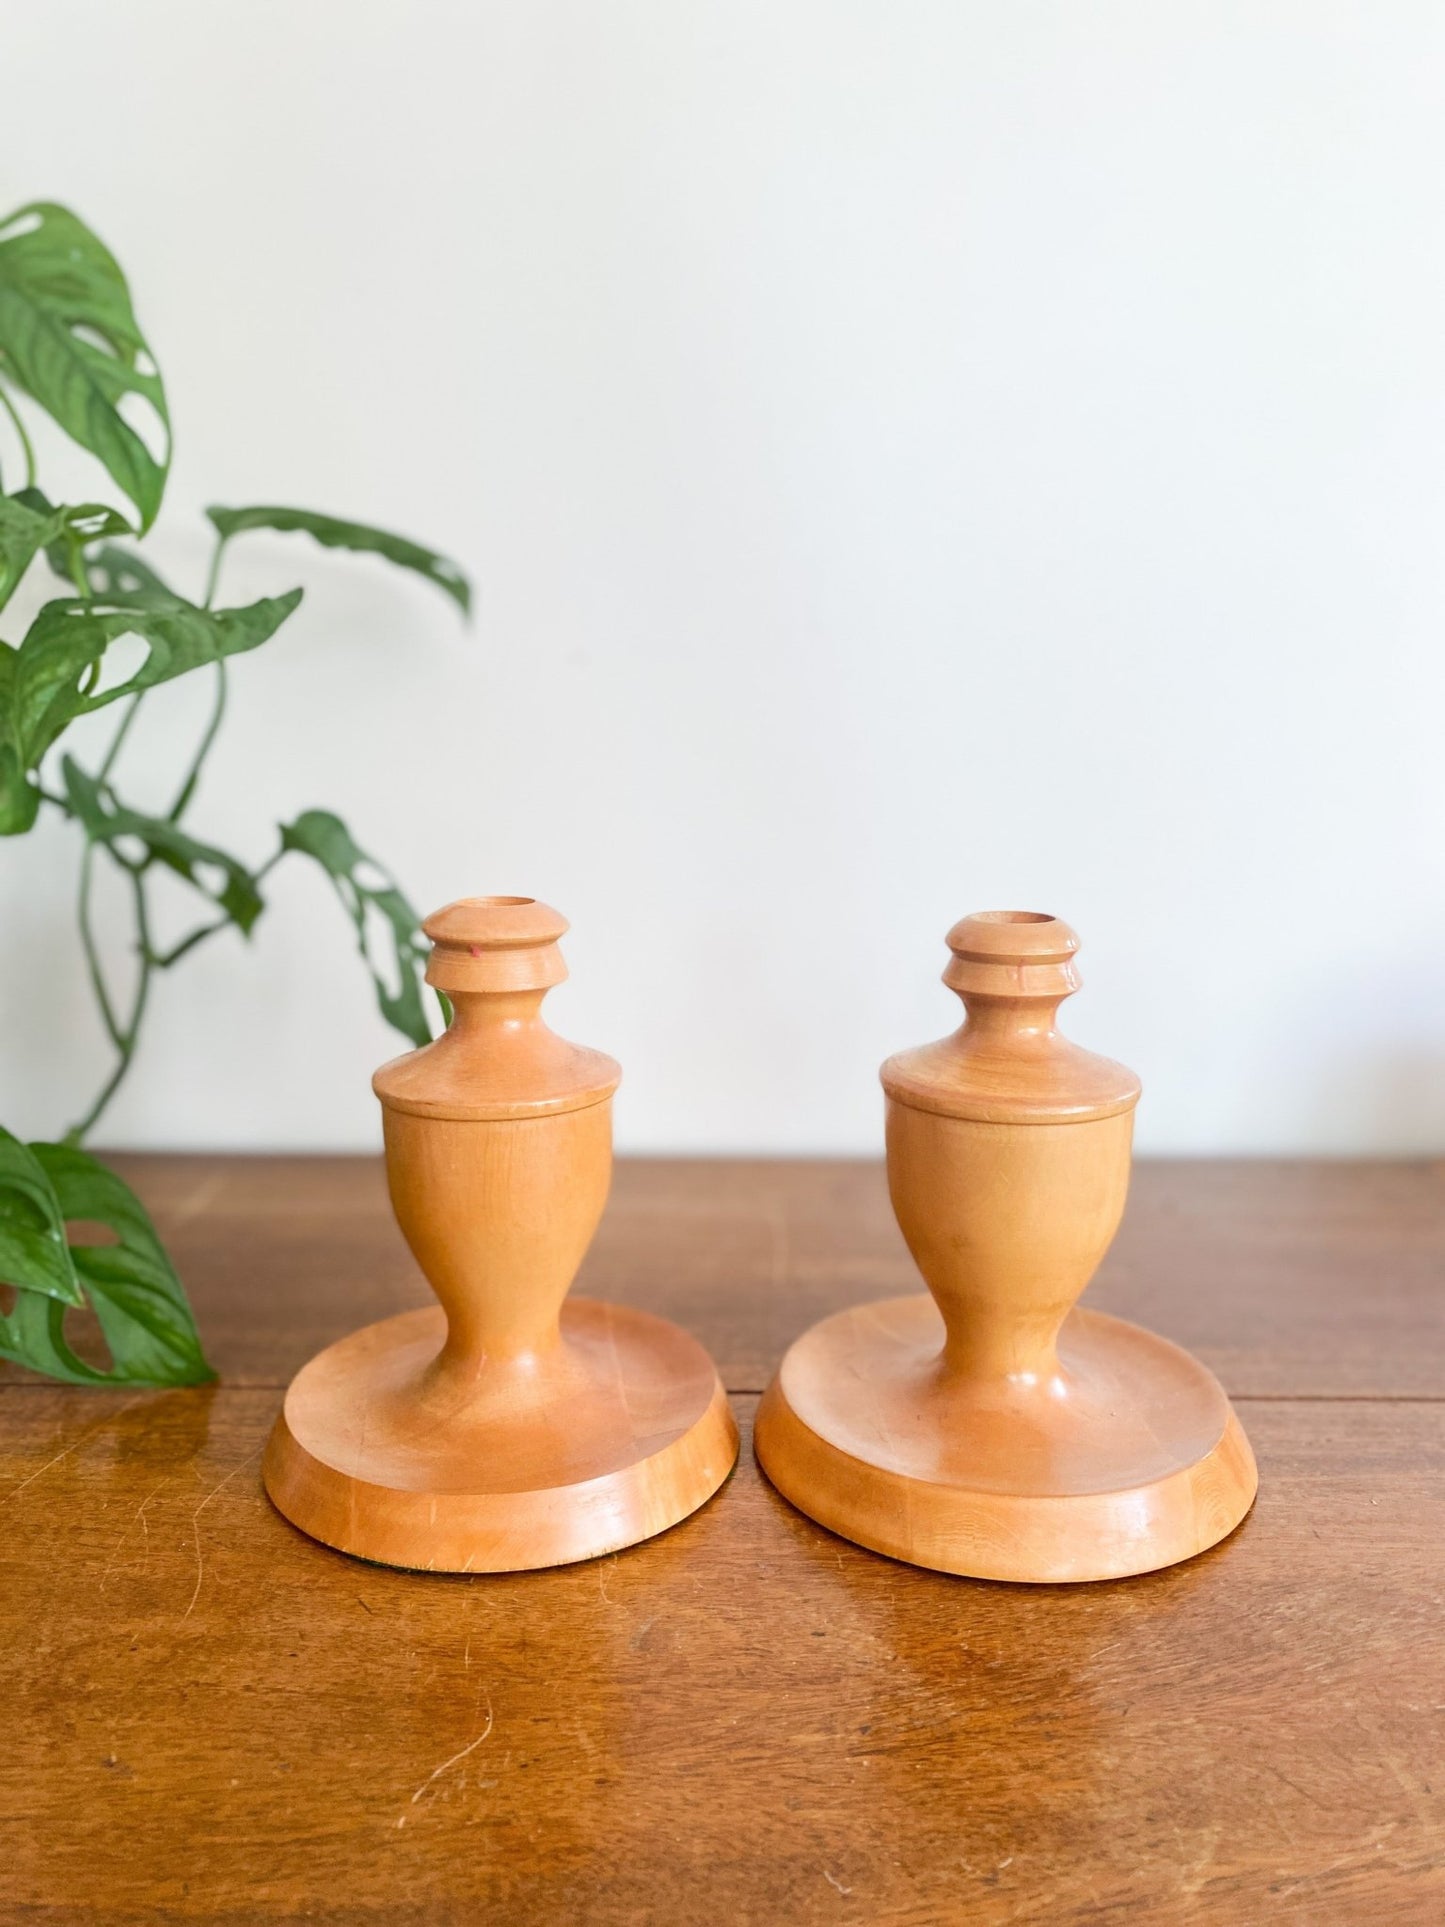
column 992, row 1429
column 504, row 1429
column 213, row 1719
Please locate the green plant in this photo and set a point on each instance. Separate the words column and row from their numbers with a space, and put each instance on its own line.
column 71, row 346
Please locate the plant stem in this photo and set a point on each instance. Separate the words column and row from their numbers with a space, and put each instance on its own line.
column 269, row 865
column 126, row 1041
column 87, row 861
column 25, row 442
column 193, row 774
column 120, row 735
column 218, row 710
column 92, row 955
column 80, row 575
column 214, row 577
column 188, row 944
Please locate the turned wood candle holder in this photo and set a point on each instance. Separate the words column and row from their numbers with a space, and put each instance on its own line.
column 991, row 1429
column 509, row 1426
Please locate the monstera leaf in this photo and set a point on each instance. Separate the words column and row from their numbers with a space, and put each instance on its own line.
column 377, row 908
column 228, row 884
column 49, row 680
column 23, row 534
column 335, row 534
column 126, row 580
column 129, row 1282
column 70, row 339
column 33, row 1251
column 29, row 523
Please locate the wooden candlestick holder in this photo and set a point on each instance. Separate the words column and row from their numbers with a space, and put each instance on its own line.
column 504, row 1428
column 990, row 1428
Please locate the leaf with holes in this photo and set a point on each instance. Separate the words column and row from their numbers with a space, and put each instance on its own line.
column 127, row 580
column 70, row 339
column 74, row 528
column 106, row 820
column 29, row 523
column 324, row 837
column 130, row 1284
column 333, row 533
column 48, row 681
column 34, row 1256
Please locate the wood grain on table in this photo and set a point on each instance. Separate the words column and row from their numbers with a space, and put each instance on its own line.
column 213, row 1719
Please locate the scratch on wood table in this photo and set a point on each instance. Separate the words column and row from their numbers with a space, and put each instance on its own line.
column 215, row 1490
column 74, row 1446
column 461, row 1753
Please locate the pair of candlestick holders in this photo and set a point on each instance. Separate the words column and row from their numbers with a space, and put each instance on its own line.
column 988, row 1428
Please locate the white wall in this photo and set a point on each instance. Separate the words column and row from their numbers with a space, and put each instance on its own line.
column 914, row 458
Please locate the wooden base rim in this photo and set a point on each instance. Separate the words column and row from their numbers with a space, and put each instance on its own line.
column 616, row 1436
column 862, row 1432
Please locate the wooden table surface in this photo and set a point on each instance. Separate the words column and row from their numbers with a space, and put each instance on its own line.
column 746, row 1720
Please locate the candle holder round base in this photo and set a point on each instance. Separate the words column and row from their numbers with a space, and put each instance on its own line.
column 1128, row 1458
column 616, row 1433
